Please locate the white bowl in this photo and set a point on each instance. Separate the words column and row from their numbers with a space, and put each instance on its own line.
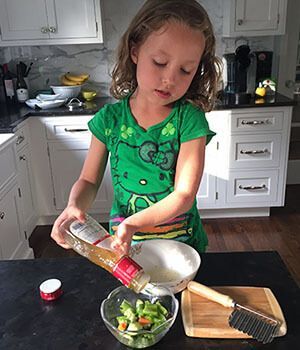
column 44, row 104
column 66, row 91
column 169, row 263
column 46, row 97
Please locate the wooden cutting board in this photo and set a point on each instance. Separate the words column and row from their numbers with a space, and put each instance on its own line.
column 203, row 318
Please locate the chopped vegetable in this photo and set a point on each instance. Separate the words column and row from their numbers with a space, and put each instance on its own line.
column 142, row 316
column 144, row 321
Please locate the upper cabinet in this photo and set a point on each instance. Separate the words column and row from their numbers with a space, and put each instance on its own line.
column 50, row 22
column 254, row 17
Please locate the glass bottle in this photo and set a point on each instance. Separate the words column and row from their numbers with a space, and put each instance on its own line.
column 2, row 86
column 92, row 241
column 21, row 86
column 8, row 84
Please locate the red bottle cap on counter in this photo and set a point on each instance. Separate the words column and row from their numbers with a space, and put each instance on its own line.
column 51, row 289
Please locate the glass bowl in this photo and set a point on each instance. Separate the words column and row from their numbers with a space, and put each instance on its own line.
column 110, row 309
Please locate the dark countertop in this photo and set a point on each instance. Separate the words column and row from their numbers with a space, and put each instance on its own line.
column 73, row 321
column 11, row 116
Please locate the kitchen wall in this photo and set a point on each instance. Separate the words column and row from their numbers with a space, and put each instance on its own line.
column 97, row 60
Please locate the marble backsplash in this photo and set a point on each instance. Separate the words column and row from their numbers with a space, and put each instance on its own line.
column 49, row 62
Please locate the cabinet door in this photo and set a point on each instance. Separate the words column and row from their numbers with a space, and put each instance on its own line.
column 26, row 191
column 71, row 19
column 10, row 229
column 206, row 195
column 18, row 22
column 256, row 15
column 66, row 160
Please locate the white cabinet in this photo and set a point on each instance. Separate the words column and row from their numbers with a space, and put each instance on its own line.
column 60, row 145
column 254, row 17
column 13, row 243
column 66, row 160
column 10, row 226
column 38, row 22
column 246, row 161
column 26, row 181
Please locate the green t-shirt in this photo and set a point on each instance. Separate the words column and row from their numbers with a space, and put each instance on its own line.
column 143, row 164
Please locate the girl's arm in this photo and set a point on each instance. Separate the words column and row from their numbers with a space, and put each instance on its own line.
column 189, row 169
column 84, row 190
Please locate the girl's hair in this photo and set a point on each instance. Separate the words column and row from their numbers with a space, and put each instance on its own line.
column 151, row 17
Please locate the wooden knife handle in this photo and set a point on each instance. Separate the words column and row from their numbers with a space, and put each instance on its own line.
column 210, row 294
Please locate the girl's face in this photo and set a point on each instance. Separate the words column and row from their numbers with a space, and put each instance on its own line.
column 167, row 62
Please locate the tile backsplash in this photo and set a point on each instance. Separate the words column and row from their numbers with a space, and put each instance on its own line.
column 49, row 62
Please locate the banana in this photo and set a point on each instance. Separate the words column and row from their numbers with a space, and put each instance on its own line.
column 80, row 78
column 68, row 82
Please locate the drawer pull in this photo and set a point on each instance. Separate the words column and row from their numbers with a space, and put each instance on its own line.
column 259, row 151
column 20, row 139
column 75, row 130
column 2, row 214
column 255, row 122
column 249, row 188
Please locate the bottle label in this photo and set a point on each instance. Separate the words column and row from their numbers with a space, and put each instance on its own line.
column 125, row 270
column 92, row 232
column 9, row 87
column 22, row 95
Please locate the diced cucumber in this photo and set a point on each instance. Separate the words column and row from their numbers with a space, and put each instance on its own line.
column 134, row 326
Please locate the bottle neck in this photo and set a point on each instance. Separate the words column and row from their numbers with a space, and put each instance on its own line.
column 5, row 68
column 20, row 77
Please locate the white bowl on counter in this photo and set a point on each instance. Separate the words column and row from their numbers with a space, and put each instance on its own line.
column 48, row 97
column 66, row 91
column 170, row 264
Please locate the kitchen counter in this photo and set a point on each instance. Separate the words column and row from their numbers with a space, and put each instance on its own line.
column 73, row 322
column 12, row 115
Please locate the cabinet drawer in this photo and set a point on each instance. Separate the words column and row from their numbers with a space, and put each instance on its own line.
column 252, row 186
column 22, row 137
column 8, row 171
column 71, row 129
column 255, row 151
column 257, row 121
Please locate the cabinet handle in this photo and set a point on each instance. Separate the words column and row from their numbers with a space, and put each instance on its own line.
column 52, row 29
column 75, row 130
column 20, row 139
column 44, row 30
column 22, row 157
column 259, row 151
column 249, row 188
column 255, row 122
column 2, row 214
column 240, row 22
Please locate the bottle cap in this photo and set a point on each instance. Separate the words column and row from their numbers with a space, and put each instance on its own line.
column 51, row 289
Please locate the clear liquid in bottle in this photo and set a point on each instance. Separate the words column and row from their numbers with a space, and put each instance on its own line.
column 92, row 241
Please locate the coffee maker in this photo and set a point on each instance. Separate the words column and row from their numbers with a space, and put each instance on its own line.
column 239, row 74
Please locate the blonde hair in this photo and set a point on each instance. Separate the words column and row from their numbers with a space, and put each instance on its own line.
column 151, row 17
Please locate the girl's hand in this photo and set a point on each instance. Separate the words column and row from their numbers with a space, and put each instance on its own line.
column 122, row 239
column 69, row 212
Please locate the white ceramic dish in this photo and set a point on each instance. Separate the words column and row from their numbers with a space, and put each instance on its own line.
column 66, row 91
column 171, row 264
column 44, row 104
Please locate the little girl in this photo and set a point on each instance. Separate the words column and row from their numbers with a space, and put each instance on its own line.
column 165, row 77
